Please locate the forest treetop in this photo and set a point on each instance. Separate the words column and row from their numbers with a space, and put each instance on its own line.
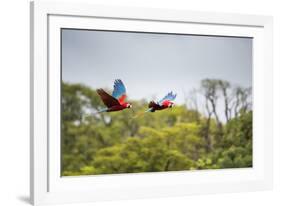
column 189, row 136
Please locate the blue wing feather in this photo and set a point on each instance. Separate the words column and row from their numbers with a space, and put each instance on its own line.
column 118, row 89
column 170, row 96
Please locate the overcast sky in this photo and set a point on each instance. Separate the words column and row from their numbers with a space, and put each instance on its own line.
column 153, row 64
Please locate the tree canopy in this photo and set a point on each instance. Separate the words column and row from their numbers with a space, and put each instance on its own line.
column 181, row 138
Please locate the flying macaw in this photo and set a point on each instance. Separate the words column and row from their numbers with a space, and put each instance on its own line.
column 164, row 103
column 116, row 101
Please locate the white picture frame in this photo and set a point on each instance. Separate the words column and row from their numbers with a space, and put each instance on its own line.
column 47, row 186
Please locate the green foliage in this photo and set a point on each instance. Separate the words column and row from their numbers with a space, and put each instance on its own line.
column 170, row 140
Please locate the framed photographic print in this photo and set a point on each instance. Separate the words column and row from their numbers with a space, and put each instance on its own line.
column 136, row 103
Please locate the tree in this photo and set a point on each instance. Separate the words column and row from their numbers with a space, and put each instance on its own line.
column 242, row 100
column 210, row 89
column 225, row 87
column 181, row 138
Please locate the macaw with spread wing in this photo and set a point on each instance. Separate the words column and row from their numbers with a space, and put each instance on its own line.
column 164, row 103
column 116, row 101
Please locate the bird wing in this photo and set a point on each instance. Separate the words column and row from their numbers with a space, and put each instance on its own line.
column 107, row 99
column 170, row 96
column 153, row 104
column 119, row 91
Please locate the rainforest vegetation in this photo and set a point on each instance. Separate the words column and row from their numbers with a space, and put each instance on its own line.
column 191, row 136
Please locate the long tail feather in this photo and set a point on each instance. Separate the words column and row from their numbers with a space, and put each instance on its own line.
column 94, row 113
column 100, row 111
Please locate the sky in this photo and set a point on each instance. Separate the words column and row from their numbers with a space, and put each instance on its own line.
column 152, row 64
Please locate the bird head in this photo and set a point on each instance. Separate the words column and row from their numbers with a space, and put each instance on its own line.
column 128, row 105
column 171, row 104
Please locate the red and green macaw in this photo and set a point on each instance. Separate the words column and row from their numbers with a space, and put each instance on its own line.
column 164, row 103
column 116, row 101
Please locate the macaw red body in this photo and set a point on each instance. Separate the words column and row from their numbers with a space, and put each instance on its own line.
column 116, row 101
column 117, row 108
column 164, row 103
column 154, row 106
